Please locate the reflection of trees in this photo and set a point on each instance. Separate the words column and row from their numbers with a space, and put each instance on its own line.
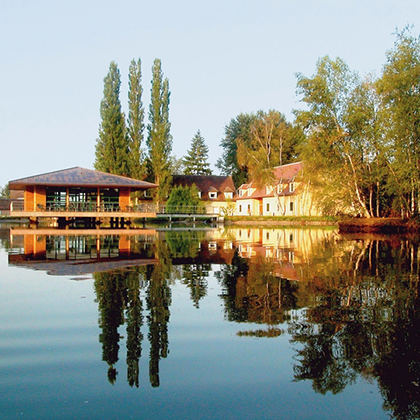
column 5, row 239
column 362, row 318
column 111, row 293
column 187, row 245
column 252, row 293
column 184, row 243
column 194, row 276
column 134, row 336
column 158, row 302
column 119, row 300
column 229, row 276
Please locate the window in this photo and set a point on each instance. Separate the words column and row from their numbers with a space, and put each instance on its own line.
column 249, row 208
column 212, row 195
column 228, row 195
column 199, row 194
column 268, row 207
column 291, row 207
column 240, row 208
column 291, row 187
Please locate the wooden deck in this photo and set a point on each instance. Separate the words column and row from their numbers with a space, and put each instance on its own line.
column 80, row 212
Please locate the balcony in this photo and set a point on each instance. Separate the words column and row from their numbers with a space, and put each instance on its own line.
column 83, row 210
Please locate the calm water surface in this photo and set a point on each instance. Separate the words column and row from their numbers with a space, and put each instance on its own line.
column 224, row 324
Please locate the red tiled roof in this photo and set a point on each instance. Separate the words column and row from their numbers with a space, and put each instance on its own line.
column 80, row 177
column 207, row 183
column 288, row 172
column 284, row 173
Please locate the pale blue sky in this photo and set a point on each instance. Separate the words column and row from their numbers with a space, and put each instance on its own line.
column 222, row 57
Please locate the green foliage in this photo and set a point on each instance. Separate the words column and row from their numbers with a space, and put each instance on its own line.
column 159, row 139
column 196, row 161
column 4, row 192
column 111, row 152
column 255, row 143
column 135, row 122
column 238, row 128
column 184, row 200
column 400, row 93
column 184, row 244
column 362, row 154
column 272, row 142
column 342, row 152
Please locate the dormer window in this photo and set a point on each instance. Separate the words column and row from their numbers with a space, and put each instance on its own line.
column 291, row 187
column 228, row 195
column 212, row 195
column 199, row 194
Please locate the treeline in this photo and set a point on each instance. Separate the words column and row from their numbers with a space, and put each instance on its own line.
column 122, row 147
column 359, row 137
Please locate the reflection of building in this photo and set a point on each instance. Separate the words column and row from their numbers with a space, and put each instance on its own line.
column 79, row 193
column 286, row 248
column 287, row 196
column 79, row 252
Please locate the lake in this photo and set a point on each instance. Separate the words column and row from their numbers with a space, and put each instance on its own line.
column 229, row 323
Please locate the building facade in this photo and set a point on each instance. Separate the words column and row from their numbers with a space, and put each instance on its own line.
column 289, row 195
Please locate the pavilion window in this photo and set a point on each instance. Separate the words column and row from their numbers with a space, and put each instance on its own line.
column 56, row 198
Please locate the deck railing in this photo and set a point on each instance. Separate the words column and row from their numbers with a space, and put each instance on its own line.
column 18, row 206
column 188, row 210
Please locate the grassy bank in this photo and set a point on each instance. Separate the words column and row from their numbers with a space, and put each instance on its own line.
column 378, row 225
column 281, row 220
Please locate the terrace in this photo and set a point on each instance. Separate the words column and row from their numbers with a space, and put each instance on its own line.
column 80, row 193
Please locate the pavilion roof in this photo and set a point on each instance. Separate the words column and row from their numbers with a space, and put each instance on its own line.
column 80, row 177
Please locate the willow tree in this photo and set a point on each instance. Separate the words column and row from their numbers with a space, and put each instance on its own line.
column 399, row 88
column 111, row 151
column 159, row 139
column 135, row 121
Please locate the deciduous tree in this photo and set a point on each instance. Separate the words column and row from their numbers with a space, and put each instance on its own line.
column 239, row 128
column 399, row 88
column 135, row 122
column 159, row 139
column 111, row 154
column 336, row 156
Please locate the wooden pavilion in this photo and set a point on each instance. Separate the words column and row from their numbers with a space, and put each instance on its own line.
column 78, row 193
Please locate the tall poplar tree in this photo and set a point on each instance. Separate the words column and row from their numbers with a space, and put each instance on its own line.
column 196, row 161
column 111, row 154
column 135, row 121
column 159, row 139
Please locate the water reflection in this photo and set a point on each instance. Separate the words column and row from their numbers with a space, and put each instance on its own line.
column 349, row 305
